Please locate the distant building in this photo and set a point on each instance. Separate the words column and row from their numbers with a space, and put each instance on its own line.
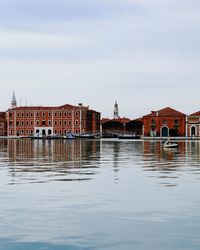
column 14, row 101
column 193, row 125
column 116, row 111
column 163, row 123
column 122, row 125
column 48, row 120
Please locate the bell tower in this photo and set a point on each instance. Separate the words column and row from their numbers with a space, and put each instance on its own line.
column 14, row 101
column 116, row 111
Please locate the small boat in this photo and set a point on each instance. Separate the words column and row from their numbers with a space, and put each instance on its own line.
column 69, row 136
column 170, row 144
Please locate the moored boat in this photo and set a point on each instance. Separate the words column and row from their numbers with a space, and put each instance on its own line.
column 170, row 144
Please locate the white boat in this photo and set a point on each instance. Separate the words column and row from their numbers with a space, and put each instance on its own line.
column 170, row 144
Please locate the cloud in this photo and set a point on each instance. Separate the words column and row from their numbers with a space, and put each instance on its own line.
column 136, row 51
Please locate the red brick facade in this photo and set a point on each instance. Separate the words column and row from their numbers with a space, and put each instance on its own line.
column 122, row 125
column 3, row 130
column 165, row 122
column 27, row 121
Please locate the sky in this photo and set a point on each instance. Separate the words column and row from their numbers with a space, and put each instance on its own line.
column 143, row 53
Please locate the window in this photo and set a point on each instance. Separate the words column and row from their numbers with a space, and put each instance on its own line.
column 18, row 123
column 153, row 123
column 18, row 115
column 176, row 123
column 27, row 132
column 165, row 122
column 22, row 114
column 27, row 123
column 60, row 114
column 65, row 122
column 60, row 123
column 49, row 114
column 22, row 122
column 55, row 114
column 31, row 114
column 69, row 123
column 49, row 122
column 65, row 114
column 55, row 123
column 37, row 123
column 43, row 123
column 76, row 122
column 22, row 131
column 76, row 114
column 69, row 114
column 27, row 114
column 11, row 123
column 31, row 122
column 37, row 114
column 43, row 114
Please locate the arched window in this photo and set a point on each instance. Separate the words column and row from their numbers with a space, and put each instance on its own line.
column 176, row 123
column 165, row 122
column 153, row 123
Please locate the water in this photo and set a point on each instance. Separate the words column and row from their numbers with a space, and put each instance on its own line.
column 109, row 194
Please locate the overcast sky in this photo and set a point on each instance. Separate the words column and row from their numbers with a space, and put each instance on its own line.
column 143, row 53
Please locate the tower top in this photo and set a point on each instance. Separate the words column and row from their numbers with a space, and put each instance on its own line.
column 116, row 111
column 14, row 101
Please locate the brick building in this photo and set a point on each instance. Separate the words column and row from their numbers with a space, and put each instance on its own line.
column 27, row 121
column 3, row 129
column 122, row 125
column 165, row 122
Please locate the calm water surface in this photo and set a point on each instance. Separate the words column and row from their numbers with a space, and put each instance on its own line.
column 96, row 194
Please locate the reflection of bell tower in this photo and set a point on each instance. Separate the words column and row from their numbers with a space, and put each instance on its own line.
column 14, row 101
column 116, row 111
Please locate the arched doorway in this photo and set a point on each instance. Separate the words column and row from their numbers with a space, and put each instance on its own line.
column 43, row 132
column 193, row 131
column 164, row 132
column 49, row 132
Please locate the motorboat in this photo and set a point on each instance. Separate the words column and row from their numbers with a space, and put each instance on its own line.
column 170, row 144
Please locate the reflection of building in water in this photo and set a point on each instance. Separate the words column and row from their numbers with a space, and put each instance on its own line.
column 48, row 153
column 160, row 158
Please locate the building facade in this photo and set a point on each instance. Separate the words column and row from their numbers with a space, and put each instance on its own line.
column 164, row 123
column 122, row 125
column 3, row 129
column 39, row 120
column 193, row 125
